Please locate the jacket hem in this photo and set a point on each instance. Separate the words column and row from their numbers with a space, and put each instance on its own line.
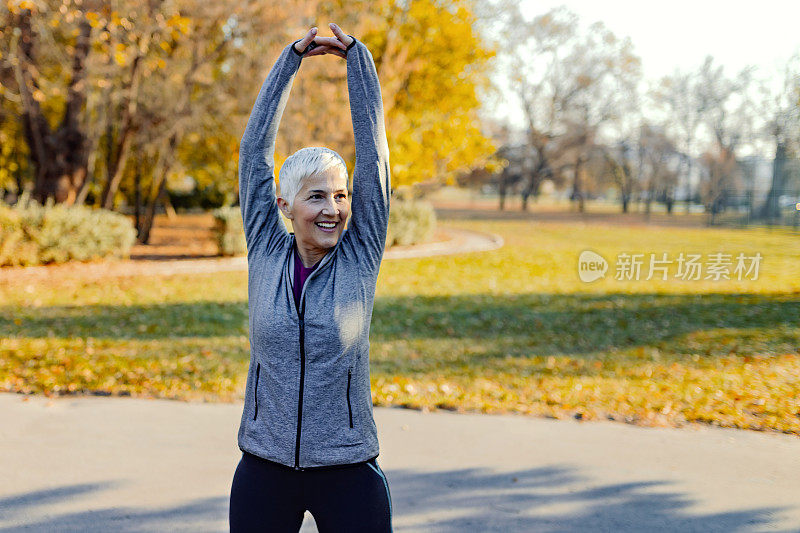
column 321, row 467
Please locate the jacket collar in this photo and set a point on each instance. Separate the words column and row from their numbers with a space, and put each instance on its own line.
column 324, row 262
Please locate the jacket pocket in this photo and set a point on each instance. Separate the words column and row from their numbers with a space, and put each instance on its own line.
column 255, row 391
column 349, row 407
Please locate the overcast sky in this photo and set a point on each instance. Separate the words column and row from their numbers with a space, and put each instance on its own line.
column 681, row 33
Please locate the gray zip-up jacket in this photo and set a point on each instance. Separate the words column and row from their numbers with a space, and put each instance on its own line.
column 308, row 401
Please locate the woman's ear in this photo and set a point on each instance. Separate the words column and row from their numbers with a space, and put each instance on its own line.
column 283, row 205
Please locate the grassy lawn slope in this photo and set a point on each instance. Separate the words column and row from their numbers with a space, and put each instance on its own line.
column 513, row 330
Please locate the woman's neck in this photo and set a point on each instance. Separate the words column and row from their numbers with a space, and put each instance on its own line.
column 310, row 256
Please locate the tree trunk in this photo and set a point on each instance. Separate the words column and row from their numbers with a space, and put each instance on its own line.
column 171, row 214
column 59, row 157
column 501, row 189
column 116, row 165
column 160, row 172
column 688, row 184
column 534, row 182
column 577, row 188
column 771, row 211
column 137, row 201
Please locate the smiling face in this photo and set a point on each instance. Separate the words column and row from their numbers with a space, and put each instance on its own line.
column 318, row 213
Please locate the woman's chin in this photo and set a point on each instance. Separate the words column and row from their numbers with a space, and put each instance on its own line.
column 329, row 241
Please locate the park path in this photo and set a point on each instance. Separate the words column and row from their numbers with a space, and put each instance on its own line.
column 78, row 464
column 459, row 241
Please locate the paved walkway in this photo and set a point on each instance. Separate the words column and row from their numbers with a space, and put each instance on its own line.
column 125, row 464
column 460, row 241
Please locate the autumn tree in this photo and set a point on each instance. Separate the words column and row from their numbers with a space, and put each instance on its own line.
column 659, row 173
column 570, row 83
column 432, row 63
column 781, row 105
column 728, row 117
column 50, row 109
column 678, row 96
column 161, row 89
column 141, row 77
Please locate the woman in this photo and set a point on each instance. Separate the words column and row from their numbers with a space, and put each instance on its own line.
column 307, row 434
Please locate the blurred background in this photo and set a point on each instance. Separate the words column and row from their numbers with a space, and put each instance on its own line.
column 551, row 128
column 137, row 107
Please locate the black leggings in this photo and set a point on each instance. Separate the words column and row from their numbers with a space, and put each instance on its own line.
column 271, row 497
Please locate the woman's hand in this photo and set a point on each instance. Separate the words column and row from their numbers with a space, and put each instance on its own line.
column 345, row 39
column 321, row 45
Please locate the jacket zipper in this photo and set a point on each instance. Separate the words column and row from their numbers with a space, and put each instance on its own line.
column 300, row 397
column 349, row 409
column 255, row 391
column 300, row 314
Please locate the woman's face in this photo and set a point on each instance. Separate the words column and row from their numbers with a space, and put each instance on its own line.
column 320, row 210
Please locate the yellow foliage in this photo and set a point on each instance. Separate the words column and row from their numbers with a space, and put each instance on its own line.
column 432, row 125
column 182, row 24
column 93, row 18
column 15, row 6
column 120, row 59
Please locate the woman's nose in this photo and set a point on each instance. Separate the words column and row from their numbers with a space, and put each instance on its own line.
column 330, row 207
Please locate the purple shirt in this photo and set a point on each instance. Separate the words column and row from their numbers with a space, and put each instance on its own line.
column 301, row 273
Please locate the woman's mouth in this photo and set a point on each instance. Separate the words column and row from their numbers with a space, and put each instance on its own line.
column 327, row 227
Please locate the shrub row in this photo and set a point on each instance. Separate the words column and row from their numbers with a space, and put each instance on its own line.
column 228, row 230
column 410, row 222
column 33, row 234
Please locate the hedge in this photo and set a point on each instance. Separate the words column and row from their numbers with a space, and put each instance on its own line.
column 34, row 234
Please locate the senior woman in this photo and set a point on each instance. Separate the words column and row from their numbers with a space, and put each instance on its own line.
column 307, row 434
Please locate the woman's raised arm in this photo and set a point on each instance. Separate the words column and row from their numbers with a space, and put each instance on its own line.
column 260, row 215
column 371, row 177
column 262, row 224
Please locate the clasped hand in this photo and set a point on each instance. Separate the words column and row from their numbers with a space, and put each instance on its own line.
column 325, row 45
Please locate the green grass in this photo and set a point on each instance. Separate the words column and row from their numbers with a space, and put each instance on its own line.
column 513, row 330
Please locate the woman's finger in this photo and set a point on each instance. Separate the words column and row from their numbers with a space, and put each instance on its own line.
column 321, row 50
column 301, row 45
column 337, row 52
column 318, row 50
column 342, row 36
column 325, row 49
column 329, row 41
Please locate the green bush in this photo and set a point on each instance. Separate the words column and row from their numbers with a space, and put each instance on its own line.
column 229, row 231
column 410, row 222
column 32, row 234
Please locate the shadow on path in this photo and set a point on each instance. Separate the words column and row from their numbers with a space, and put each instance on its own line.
column 465, row 500
column 550, row 499
column 199, row 515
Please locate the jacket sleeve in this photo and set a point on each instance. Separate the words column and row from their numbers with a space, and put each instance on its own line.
column 260, row 214
column 371, row 179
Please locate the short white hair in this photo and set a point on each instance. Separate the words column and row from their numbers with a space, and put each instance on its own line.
column 304, row 163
